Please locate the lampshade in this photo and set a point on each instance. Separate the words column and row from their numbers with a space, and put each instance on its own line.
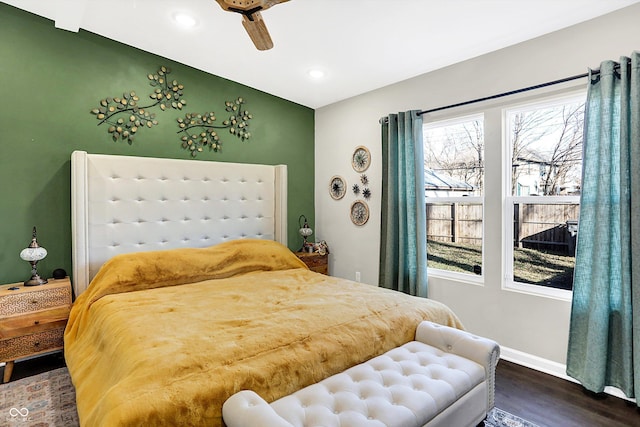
column 305, row 231
column 32, row 254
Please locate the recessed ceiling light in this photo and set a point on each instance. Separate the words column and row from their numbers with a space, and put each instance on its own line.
column 316, row 74
column 184, row 20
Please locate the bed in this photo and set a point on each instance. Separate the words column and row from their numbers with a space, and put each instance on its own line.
column 186, row 293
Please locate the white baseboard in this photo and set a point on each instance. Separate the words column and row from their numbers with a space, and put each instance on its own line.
column 549, row 367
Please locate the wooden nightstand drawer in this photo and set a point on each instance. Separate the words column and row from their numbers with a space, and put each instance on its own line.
column 27, row 345
column 26, row 300
column 315, row 261
column 34, row 322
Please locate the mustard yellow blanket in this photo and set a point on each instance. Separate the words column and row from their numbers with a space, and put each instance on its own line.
column 164, row 338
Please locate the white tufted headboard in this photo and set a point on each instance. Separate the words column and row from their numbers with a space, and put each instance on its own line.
column 123, row 204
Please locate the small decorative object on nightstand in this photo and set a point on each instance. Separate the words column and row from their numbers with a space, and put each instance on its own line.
column 315, row 261
column 32, row 320
column 34, row 253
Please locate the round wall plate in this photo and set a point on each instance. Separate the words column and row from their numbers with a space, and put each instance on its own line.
column 359, row 212
column 361, row 159
column 337, row 187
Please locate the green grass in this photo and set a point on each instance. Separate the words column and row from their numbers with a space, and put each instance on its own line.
column 530, row 266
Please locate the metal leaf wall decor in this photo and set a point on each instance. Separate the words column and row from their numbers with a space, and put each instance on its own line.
column 201, row 130
column 126, row 117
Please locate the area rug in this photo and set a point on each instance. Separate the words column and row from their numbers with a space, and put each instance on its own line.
column 43, row 400
column 499, row 418
column 49, row 400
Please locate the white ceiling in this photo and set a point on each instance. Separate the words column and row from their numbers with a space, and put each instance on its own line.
column 361, row 45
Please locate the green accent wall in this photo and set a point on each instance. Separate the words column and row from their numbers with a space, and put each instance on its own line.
column 50, row 81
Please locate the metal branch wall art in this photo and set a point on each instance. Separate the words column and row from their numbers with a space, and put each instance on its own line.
column 201, row 130
column 126, row 117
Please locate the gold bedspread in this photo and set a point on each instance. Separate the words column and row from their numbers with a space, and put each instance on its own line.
column 247, row 314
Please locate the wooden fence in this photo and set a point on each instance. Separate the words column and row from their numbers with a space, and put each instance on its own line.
column 536, row 226
column 454, row 222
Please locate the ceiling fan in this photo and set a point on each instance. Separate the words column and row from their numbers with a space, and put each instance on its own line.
column 251, row 18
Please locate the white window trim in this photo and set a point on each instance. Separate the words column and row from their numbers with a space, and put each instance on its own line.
column 479, row 200
column 457, row 276
column 456, row 120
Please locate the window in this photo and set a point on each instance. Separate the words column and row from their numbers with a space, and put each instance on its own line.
column 543, row 170
column 454, row 181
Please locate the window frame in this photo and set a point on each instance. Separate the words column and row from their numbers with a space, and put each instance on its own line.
column 469, row 278
column 509, row 200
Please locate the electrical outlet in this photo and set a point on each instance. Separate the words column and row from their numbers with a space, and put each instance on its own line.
column 357, row 276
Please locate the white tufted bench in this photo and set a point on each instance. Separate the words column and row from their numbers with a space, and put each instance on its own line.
column 443, row 378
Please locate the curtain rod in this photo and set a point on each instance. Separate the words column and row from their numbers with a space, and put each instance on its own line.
column 511, row 92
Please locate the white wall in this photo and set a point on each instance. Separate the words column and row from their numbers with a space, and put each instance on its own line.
column 530, row 324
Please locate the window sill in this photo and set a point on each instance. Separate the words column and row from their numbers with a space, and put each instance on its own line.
column 467, row 278
column 539, row 291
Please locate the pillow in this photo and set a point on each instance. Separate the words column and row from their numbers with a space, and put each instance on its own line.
column 152, row 269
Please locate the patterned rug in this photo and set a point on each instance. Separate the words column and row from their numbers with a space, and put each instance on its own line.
column 43, row 400
column 49, row 400
column 499, row 418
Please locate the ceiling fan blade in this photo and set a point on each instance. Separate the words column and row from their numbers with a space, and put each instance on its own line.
column 251, row 18
column 257, row 30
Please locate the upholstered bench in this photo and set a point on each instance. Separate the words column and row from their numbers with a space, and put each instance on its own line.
column 443, row 378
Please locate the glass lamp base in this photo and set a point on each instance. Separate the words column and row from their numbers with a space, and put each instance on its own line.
column 306, row 247
column 35, row 280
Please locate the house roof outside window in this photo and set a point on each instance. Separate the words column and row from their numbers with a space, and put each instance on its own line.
column 440, row 184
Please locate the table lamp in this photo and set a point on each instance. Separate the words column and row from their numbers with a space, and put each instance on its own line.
column 305, row 232
column 32, row 254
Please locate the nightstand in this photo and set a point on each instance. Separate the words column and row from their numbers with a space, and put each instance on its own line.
column 32, row 320
column 315, row 261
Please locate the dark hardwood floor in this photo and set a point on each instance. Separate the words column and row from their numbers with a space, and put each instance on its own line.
column 540, row 398
column 553, row 402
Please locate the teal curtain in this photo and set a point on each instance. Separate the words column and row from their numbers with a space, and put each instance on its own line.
column 603, row 348
column 403, row 238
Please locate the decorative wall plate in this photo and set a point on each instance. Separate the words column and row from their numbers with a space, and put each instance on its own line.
column 337, row 187
column 359, row 212
column 361, row 159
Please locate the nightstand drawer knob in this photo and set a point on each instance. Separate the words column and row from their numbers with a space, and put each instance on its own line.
column 34, row 301
column 36, row 344
column 37, row 322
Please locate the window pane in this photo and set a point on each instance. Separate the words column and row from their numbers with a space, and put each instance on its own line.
column 546, row 147
column 546, row 162
column 454, row 236
column 454, row 168
column 544, row 243
column 454, row 158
